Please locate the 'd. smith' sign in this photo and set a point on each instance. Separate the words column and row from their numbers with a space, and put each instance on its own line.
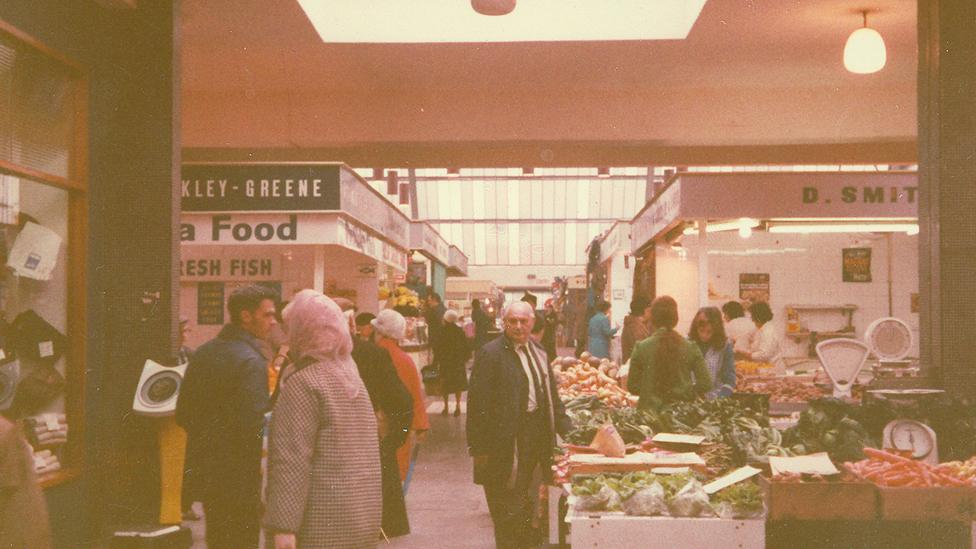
column 777, row 195
column 260, row 187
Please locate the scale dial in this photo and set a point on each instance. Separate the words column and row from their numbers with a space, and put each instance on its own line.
column 914, row 437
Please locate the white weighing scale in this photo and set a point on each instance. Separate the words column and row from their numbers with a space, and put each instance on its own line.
column 890, row 340
column 842, row 360
column 912, row 436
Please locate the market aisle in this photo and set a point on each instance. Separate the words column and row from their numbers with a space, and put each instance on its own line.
column 446, row 509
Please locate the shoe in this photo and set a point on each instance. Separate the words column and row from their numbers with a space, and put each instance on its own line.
column 457, row 412
column 191, row 515
column 444, row 411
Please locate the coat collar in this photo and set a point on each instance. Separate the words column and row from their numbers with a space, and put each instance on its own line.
column 233, row 331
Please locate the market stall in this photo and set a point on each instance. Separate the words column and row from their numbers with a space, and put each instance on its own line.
column 830, row 252
column 720, row 470
column 615, row 260
column 288, row 226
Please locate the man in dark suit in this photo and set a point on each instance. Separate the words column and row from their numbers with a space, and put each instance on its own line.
column 222, row 403
column 514, row 415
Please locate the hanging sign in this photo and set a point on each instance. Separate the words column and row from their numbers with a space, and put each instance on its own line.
column 199, row 264
column 754, row 287
column 429, row 242
column 856, row 264
column 210, row 303
column 458, row 262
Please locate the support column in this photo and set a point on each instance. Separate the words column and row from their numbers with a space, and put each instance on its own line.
column 947, row 180
column 702, row 263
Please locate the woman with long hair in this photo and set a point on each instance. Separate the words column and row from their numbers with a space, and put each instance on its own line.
column 708, row 332
column 667, row 367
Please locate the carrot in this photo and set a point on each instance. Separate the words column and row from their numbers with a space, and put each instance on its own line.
column 885, row 456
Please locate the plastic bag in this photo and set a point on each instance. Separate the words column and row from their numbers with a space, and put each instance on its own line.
column 727, row 510
column 609, row 442
column 596, row 502
column 690, row 501
column 646, row 502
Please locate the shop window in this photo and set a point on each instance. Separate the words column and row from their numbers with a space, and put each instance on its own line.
column 42, row 248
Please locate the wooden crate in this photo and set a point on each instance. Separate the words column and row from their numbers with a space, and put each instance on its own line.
column 620, row 531
column 820, row 500
column 950, row 504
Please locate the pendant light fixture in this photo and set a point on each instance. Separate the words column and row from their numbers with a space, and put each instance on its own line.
column 493, row 7
column 865, row 51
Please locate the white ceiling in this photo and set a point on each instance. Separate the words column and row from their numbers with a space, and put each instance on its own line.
column 755, row 81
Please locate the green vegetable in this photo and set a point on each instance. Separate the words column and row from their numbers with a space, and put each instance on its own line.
column 828, row 425
column 745, row 496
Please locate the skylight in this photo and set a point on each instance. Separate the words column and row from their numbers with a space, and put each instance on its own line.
column 426, row 21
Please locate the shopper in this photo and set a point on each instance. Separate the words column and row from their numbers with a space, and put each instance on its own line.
column 709, row 333
column 190, row 470
column 364, row 326
column 324, row 486
column 766, row 343
column 389, row 330
column 667, row 367
column 23, row 510
column 393, row 408
column 738, row 327
column 454, row 353
column 551, row 319
column 600, row 333
column 434, row 315
column 514, row 414
column 222, row 403
column 637, row 325
column 482, row 324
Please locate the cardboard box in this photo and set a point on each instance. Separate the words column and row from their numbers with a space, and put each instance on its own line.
column 622, row 531
column 820, row 500
column 950, row 504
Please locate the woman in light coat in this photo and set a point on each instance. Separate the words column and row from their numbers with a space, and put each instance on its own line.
column 323, row 452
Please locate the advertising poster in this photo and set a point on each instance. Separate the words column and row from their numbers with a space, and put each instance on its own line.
column 754, row 287
column 857, row 264
column 210, row 303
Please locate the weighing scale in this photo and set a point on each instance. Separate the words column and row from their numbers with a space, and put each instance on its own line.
column 842, row 360
column 890, row 340
column 914, row 437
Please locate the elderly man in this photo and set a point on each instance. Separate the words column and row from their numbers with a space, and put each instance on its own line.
column 514, row 414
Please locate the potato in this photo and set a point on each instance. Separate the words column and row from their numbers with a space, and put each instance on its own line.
column 585, row 355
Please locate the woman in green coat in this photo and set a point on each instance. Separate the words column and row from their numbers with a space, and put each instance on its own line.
column 667, row 367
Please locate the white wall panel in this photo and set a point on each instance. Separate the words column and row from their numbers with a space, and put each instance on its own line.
column 548, row 244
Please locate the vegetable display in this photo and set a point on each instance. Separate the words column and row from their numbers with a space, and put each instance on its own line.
column 591, row 376
column 634, row 425
column 960, row 469
column 828, row 425
column 679, row 495
column 888, row 469
column 749, row 368
column 780, row 390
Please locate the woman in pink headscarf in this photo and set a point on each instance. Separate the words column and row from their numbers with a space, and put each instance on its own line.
column 323, row 453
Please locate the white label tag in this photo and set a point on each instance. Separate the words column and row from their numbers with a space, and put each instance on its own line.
column 52, row 421
column 3, row 355
column 738, row 475
column 38, row 462
column 45, row 348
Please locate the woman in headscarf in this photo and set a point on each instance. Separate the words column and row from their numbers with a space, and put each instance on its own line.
column 323, row 451
column 390, row 328
column 453, row 353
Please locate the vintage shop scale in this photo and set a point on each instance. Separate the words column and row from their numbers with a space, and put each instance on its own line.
column 890, row 340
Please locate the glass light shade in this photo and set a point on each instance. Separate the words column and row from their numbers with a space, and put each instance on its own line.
column 865, row 51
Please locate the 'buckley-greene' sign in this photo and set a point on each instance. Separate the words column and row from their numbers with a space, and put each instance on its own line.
column 260, row 187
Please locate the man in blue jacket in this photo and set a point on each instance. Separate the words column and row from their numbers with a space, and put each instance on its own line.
column 222, row 403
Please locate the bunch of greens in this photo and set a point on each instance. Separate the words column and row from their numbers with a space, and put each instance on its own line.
column 634, row 425
column 745, row 497
column 828, row 425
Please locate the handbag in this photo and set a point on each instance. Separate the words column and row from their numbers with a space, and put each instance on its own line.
column 431, row 376
column 37, row 389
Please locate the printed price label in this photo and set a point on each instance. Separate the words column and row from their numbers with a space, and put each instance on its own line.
column 3, row 355
column 45, row 348
column 52, row 421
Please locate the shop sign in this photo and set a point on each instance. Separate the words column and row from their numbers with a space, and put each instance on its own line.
column 210, row 303
column 847, row 195
column 231, row 229
column 425, row 239
column 799, row 195
column 260, row 187
column 371, row 209
column 856, row 264
column 614, row 240
column 357, row 238
column 218, row 266
column 394, row 257
column 458, row 261
column 658, row 216
column 754, row 287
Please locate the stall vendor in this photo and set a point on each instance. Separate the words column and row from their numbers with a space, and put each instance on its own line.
column 766, row 344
